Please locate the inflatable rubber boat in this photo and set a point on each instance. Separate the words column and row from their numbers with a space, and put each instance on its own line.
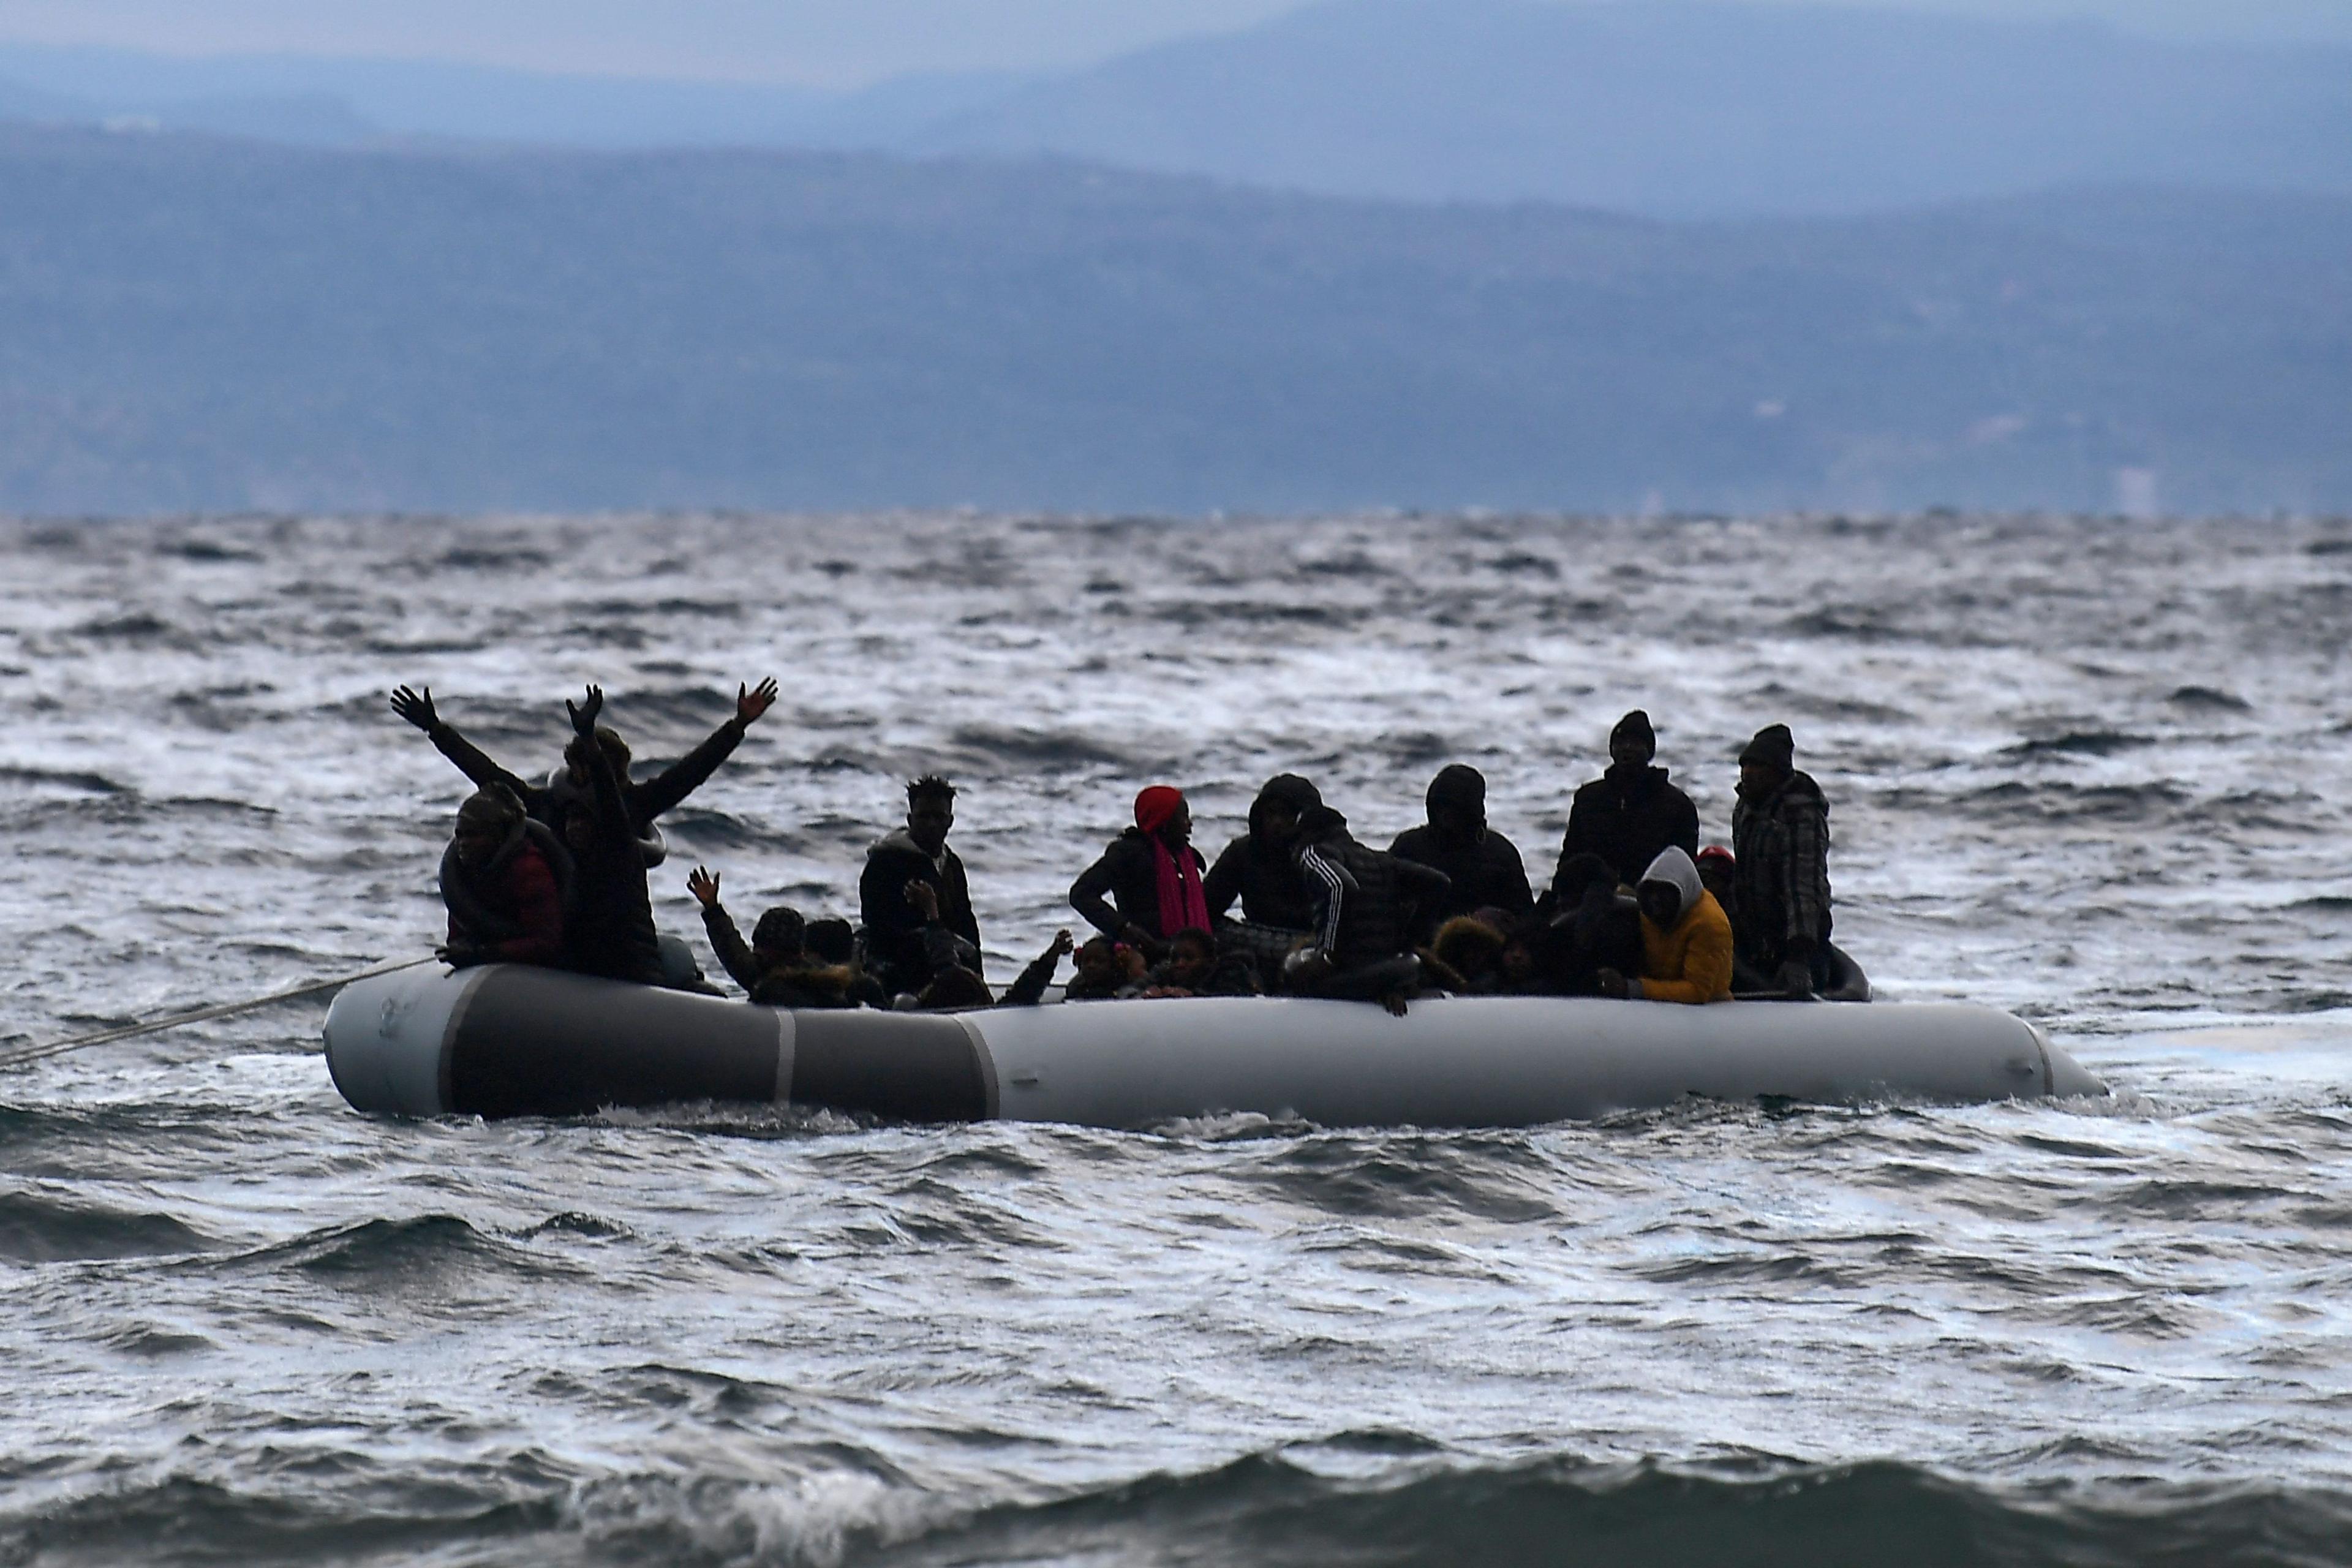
column 511, row 1040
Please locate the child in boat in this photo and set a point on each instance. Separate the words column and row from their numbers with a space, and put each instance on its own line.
column 1195, row 968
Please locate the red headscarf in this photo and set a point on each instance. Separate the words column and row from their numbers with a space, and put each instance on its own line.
column 1155, row 806
column 1183, row 906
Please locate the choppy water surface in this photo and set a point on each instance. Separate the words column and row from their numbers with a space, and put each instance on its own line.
column 2095, row 772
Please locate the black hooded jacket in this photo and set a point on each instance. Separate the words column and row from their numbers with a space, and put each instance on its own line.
column 1367, row 903
column 1129, row 872
column 1628, row 816
column 895, row 948
column 1265, row 880
column 608, row 925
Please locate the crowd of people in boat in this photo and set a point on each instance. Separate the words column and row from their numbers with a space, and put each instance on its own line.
column 557, row 873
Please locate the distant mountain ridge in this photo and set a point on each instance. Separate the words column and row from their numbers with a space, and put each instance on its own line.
column 1675, row 107
column 1687, row 108
column 187, row 323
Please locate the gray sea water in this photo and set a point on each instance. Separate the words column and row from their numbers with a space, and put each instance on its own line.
column 2100, row 773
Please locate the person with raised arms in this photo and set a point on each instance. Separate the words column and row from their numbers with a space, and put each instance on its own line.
column 644, row 801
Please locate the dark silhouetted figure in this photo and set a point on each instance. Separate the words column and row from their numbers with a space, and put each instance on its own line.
column 608, row 926
column 895, row 925
column 1368, row 904
column 1483, row 868
column 1152, row 874
column 1780, row 836
column 644, row 801
column 1631, row 811
column 504, row 879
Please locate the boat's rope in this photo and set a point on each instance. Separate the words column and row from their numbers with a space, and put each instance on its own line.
column 24, row 1054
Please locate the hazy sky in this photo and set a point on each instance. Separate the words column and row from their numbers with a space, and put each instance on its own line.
column 842, row 43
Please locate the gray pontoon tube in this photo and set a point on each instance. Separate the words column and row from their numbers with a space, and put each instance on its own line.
column 510, row 1040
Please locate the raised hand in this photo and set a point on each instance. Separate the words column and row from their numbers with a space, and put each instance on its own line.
column 584, row 716
column 1065, row 943
column 416, row 707
column 704, row 885
column 749, row 704
column 925, row 898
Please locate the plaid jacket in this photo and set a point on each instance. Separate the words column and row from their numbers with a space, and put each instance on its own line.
column 1782, row 879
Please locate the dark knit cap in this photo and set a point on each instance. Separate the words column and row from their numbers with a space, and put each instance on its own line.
column 1635, row 726
column 1458, row 783
column 1772, row 744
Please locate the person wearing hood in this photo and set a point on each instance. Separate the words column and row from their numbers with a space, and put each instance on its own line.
column 895, row 927
column 1780, row 842
column 644, row 801
column 1153, row 877
column 504, row 879
column 608, row 924
column 1685, row 938
column 1368, row 904
column 1483, row 867
column 1259, row 867
column 1631, row 811
column 1260, row 870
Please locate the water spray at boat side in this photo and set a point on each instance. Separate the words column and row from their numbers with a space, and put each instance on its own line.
column 515, row 1040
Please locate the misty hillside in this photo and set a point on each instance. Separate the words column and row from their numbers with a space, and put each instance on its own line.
column 1688, row 108
column 324, row 100
column 195, row 323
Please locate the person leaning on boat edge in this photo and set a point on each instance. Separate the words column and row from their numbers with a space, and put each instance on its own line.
column 1780, row 845
column 1367, row 903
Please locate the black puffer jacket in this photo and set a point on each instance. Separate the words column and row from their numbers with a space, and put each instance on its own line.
column 1265, row 880
column 1485, row 872
column 1782, row 878
column 895, row 948
column 1367, row 903
column 1129, row 872
column 1627, row 816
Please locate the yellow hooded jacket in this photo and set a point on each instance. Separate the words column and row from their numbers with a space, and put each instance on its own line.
column 1692, row 962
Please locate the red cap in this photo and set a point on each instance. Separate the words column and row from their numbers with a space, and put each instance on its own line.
column 1714, row 853
column 1155, row 806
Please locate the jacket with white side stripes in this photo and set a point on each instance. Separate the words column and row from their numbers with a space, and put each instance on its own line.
column 1366, row 902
